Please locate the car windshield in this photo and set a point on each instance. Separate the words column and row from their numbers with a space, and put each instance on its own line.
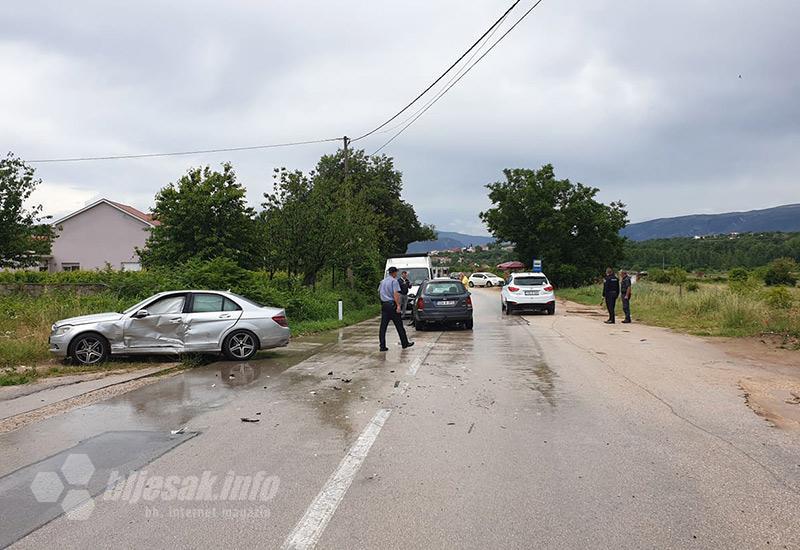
column 530, row 281
column 417, row 274
column 444, row 287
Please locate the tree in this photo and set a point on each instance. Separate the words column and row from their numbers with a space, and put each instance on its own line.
column 781, row 272
column 314, row 222
column 203, row 216
column 23, row 238
column 558, row 221
column 379, row 185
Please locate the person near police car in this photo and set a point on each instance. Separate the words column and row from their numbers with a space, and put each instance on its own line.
column 389, row 291
column 625, row 294
column 405, row 285
column 610, row 294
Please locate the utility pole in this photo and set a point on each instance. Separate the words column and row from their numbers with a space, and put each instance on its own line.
column 346, row 154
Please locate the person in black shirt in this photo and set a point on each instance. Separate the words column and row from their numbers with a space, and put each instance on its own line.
column 405, row 284
column 625, row 294
column 610, row 294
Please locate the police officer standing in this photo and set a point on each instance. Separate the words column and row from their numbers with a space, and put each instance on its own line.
column 610, row 294
column 389, row 290
column 625, row 294
column 405, row 284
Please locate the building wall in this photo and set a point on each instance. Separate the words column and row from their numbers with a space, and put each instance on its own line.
column 98, row 236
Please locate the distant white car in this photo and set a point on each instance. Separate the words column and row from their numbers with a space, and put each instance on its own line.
column 531, row 291
column 485, row 279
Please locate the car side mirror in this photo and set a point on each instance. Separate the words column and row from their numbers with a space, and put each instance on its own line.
column 141, row 314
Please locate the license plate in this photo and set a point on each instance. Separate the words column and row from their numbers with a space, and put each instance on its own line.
column 447, row 302
column 531, row 292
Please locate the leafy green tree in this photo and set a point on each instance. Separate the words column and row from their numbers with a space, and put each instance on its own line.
column 313, row 223
column 558, row 221
column 23, row 238
column 781, row 271
column 379, row 185
column 203, row 216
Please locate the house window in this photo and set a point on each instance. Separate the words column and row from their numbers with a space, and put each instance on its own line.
column 70, row 266
column 131, row 266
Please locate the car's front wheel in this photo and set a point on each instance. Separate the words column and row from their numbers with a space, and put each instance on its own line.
column 89, row 349
column 240, row 345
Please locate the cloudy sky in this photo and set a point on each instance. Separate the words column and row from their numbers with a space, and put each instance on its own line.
column 641, row 99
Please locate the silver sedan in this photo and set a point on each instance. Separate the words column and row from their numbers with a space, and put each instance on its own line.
column 171, row 323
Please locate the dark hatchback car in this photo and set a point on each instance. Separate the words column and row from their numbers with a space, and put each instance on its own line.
column 442, row 301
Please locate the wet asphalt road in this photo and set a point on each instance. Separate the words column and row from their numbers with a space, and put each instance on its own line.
column 513, row 435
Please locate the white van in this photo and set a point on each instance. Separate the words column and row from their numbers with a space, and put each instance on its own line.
column 419, row 267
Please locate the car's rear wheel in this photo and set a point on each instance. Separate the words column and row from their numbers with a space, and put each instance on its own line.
column 468, row 324
column 488, row 284
column 89, row 349
column 471, row 284
column 551, row 309
column 419, row 325
column 509, row 307
column 240, row 345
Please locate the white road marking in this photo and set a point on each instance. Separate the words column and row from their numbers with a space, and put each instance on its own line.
column 308, row 531
column 419, row 359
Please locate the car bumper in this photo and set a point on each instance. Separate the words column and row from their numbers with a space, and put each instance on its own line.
column 58, row 345
column 442, row 315
column 532, row 302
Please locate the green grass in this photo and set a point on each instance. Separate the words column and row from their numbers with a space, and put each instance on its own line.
column 713, row 310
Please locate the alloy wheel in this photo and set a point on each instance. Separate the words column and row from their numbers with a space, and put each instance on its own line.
column 89, row 350
column 241, row 345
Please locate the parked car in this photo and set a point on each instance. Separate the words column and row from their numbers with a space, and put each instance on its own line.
column 531, row 291
column 485, row 279
column 442, row 301
column 171, row 323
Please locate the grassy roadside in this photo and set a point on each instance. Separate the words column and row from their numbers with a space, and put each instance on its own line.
column 710, row 310
column 25, row 327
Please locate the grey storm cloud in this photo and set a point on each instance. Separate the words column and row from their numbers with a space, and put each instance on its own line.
column 640, row 99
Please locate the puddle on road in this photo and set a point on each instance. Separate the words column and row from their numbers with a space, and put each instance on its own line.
column 174, row 402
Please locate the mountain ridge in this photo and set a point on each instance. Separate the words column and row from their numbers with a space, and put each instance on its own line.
column 784, row 218
column 449, row 239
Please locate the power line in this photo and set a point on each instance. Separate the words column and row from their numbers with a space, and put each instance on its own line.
column 182, row 153
column 435, row 82
column 455, row 76
column 445, row 90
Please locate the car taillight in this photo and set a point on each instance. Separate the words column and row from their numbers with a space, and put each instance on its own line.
column 513, row 289
column 281, row 320
column 420, row 303
column 548, row 288
column 469, row 301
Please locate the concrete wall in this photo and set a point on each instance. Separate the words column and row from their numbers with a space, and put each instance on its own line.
column 98, row 236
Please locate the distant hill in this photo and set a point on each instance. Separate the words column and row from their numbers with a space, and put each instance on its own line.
column 449, row 239
column 780, row 218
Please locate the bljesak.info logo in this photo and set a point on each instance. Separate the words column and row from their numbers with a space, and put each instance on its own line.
column 208, row 495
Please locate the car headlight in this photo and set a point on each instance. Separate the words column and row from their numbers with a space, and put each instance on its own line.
column 63, row 329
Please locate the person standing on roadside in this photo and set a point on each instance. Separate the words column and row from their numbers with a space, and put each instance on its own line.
column 625, row 294
column 389, row 291
column 405, row 284
column 610, row 294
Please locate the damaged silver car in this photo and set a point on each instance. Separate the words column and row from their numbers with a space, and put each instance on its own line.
column 171, row 323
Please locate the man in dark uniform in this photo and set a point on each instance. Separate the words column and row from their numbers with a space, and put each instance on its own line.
column 389, row 290
column 610, row 294
column 405, row 284
column 625, row 294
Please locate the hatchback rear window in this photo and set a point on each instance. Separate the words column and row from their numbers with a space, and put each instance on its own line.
column 530, row 281
column 445, row 287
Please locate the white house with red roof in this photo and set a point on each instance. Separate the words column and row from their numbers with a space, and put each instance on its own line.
column 103, row 233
